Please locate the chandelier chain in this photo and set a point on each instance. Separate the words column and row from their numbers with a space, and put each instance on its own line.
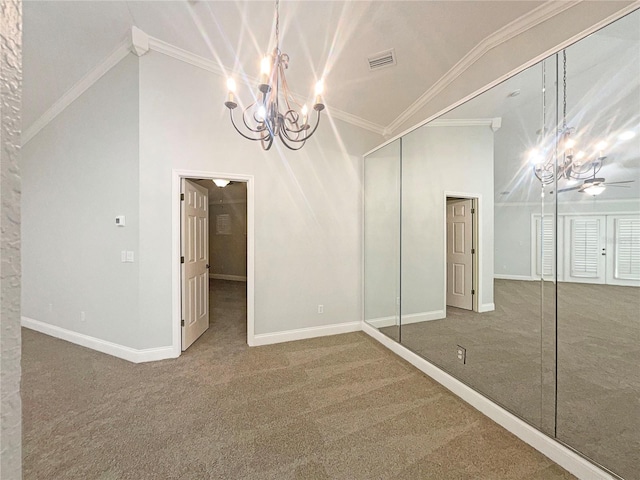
column 277, row 25
column 564, row 89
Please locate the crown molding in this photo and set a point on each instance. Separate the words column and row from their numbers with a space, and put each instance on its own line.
column 212, row 66
column 357, row 121
column 139, row 43
column 535, row 17
column 185, row 56
column 494, row 123
column 123, row 49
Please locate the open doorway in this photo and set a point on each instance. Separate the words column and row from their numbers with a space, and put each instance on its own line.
column 461, row 253
column 213, row 278
column 214, row 247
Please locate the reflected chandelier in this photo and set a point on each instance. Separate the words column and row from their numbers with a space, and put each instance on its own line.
column 275, row 113
column 572, row 165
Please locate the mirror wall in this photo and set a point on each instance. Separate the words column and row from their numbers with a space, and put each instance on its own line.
column 382, row 239
column 598, row 245
column 502, row 244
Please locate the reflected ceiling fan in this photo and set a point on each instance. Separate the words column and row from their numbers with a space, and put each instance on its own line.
column 595, row 186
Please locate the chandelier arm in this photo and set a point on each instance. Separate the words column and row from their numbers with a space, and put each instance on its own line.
column 544, row 179
column 288, row 98
column 248, row 127
column 284, row 134
column 294, row 121
column 308, row 136
column 238, row 130
column 266, row 142
column 284, row 142
column 314, row 128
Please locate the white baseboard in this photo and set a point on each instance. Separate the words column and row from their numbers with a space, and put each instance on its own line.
column 423, row 317
column 526, row 278
column 486, row 307
column 381, row 322
column 127, row 353
column 554, row 450
column 304, row 333
column 233, row 278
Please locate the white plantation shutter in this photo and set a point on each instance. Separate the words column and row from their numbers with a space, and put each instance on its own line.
column 585, row 247
column 627, row 249
column 545, row 247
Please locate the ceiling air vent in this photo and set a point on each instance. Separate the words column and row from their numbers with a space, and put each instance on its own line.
column 382, row 59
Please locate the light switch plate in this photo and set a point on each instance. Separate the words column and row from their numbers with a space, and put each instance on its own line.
column 129, row 256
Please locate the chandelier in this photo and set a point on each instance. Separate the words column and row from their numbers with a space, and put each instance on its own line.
column 275, row 112
column 573, row 164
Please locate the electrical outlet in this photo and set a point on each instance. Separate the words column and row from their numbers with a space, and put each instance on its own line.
column 461, row 353
column 320, row 308
column 83, row 317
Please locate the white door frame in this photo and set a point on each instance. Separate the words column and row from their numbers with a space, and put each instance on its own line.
column 477, row 244
column 176, row 177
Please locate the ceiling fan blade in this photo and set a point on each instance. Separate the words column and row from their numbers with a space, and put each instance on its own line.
column 614, row 185
column 569, row 189
column 623, row 181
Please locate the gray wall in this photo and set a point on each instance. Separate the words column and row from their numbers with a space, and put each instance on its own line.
column 382, row 233
column 80, row 172
column 228, row 253
column 10, row 347
column 307, row 203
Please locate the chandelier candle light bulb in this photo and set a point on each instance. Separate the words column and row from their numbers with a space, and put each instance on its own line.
column 265, row 70
column 600, row 147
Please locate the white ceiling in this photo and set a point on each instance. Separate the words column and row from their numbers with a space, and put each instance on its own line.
column 63, row 41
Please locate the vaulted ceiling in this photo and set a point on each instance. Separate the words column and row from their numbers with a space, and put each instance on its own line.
column 64, row 41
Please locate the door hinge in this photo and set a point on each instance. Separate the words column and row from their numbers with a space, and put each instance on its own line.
column 182, row 196
column 473, row 210
column 473, row 251
column 473, row 292
column 181, row 259
column 182, row 322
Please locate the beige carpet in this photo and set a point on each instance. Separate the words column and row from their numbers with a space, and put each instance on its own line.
column 598, row 371
column 340, row 407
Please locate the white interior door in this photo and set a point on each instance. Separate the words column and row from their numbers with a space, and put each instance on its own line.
column 585, row 249
column 623, row 250
column 459, row 254
column 195, row 261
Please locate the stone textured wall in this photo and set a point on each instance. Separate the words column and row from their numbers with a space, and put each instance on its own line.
column 10, row 125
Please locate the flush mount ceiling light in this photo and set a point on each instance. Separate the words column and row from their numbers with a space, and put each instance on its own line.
column 221, row 182
column 275, row 113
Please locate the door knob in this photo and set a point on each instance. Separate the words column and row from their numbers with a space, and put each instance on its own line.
column 207, row 265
